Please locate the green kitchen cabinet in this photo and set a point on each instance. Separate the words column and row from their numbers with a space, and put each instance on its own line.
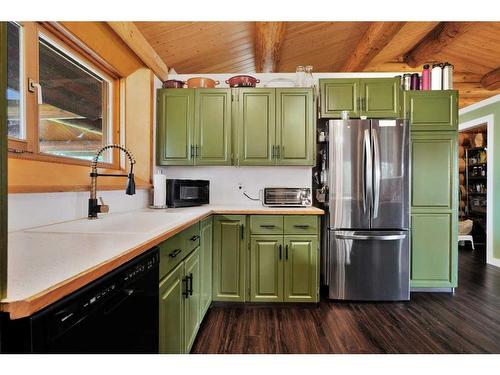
column 380, row 97
column 266, row 265
column 213, row 127
column 192, row 303
column 340, row 94
column 371, row 97
column 206, row 238
column 256, row 126
column 434, row 250
column 434, row 172
column 194, row 127
column 295, row 130
column 301, row 269
column 432, row 110
column 175, row 126
column 229, row 258
column 171, row 327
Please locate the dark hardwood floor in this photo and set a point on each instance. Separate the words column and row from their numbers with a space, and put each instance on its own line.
column 466, row 322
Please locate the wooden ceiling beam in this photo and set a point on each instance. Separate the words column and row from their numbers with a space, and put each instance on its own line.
column 491, row 80
column 131, row 35
column 268, row 40
column 444, row 34
column 378, row 35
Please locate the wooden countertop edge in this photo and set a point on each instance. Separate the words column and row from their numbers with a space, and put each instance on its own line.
column 26, row 307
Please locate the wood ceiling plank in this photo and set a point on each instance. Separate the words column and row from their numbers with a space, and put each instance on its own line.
column 491, row 80
column 439, row 38
column 131, row 35
column 268, row 40
column 378, row 35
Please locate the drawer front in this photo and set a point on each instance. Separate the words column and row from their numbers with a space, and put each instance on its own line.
column 298, row 224
column 176, row 248
column 266, row 224
column 172, row 251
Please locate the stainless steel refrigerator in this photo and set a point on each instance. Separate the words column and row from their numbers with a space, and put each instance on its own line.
column 367, row 257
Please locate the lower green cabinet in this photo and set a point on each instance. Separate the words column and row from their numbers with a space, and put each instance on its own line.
column 206, row 238
column 301, row 277
column 172, row 289
column 229, row 246
column 192, row 301
column 266, row 268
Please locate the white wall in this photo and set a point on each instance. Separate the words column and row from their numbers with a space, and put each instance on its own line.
column 33, row 210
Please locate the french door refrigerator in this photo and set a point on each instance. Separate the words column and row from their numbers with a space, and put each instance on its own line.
column 367, row 257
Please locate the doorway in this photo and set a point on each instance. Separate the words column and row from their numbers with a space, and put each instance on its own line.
column 476, row 194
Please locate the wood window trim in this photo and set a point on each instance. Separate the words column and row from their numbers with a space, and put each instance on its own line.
column 29, row 148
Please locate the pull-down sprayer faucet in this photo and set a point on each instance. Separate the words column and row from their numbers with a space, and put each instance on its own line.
column 94, row 207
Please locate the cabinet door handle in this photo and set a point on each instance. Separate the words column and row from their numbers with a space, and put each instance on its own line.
column 194, row 238
column 286, row 252
column 273, row 151
column 301, row 226
column 190, row 277
column 278, row 152
column 197, row 151
column 280, row 251
column 192, row 151
column 268, row 226
column 174, row 253
column 242, row 231
column 186, row 288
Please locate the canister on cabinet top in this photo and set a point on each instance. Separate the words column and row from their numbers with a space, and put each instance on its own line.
column 437, row 77
column 406, row 81
column 447, row 76
column 415, row 82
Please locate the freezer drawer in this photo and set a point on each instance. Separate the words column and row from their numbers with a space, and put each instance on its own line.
column 369, row 265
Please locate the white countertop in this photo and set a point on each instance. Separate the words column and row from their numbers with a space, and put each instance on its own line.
column 42, row 258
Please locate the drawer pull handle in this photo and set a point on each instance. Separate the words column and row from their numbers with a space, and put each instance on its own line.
column 301, row 226
column 190, row 278
column 286, row 252
column 280, row 251
column 194, row 238
column 174, row 253
column 268, row 226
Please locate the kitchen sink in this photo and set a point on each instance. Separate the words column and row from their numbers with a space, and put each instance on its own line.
column 140, row 222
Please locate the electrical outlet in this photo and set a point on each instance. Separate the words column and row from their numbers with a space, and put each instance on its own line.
column 240, row 186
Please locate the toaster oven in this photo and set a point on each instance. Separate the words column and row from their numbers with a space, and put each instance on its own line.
column 287, row 197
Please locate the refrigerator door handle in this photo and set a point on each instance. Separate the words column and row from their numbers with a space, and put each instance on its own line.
column 376, row 172
column 385, row 237
column 367, row 173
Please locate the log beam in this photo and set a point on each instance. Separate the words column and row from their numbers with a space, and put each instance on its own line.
column 131, row 35
column 491, row 80
column 378, row 35
column 439, row 38
column 268, row 40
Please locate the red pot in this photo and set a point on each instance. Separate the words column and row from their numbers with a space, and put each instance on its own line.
column 242, row 81
column 173, row 84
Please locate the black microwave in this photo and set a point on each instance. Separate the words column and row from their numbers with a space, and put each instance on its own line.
column 187, row 193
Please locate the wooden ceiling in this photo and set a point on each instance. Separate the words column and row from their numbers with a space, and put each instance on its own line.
column 246, row 47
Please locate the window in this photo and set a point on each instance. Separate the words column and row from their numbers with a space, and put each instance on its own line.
column 68, row 114
column 73, row 116
column 15, row 101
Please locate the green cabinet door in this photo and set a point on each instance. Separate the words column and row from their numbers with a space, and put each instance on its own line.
column 434, row 250
column 432, row 110
column 340, row 94
column 434, row 172
column 175, row 126
column 205, row 265
column 295, row 131
column 192, row 303
column 266, row 267
column 213, row 127
column 301, row 269
column 380, row 97
column 256, row 126
column 171, row 324
column 229, row 258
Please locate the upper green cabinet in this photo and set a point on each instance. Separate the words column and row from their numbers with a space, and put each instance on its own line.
column 371, row 97
column 194, row 127
column 175, row 127
column 294, row 126
column 256, row 126
column 243, row 126
column 432, row 110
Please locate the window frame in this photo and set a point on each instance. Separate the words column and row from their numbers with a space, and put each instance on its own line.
column 29, row 148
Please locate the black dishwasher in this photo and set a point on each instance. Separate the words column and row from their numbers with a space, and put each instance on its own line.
column 117, row 313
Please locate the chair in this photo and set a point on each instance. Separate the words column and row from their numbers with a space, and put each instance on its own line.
column 466, row 237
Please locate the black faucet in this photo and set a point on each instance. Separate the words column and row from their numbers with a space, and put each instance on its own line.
column 94, row 207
